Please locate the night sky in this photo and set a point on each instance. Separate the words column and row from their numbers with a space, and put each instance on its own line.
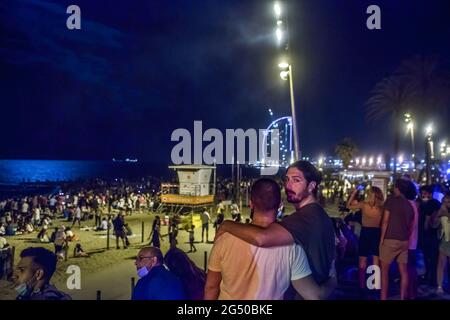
column 137, row 70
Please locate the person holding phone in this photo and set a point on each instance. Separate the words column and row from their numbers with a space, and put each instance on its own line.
column 369, row 239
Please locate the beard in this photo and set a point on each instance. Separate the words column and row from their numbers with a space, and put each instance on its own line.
column 292, row 197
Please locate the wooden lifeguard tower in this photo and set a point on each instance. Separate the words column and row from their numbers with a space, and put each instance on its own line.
column 194, row 189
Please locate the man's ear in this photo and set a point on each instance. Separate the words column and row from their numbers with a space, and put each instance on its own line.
column 311, row 186
column 39, row 274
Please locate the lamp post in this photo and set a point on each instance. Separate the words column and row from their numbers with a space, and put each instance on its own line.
column 287, row 73
column 428, row 151
column 410, row 128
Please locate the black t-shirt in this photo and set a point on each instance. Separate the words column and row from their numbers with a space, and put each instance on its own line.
column 427, row 208
column 312, row 228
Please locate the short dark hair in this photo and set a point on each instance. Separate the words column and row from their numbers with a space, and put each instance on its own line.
column 156, row 252
column 42, row 257
column 266, row 195
column 407, row 188
column 309, row 171
column 427, row 188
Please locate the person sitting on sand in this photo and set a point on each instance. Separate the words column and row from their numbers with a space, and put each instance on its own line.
column 78, row 252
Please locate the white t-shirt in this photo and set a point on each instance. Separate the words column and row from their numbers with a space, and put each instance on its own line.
column 104, row 225
column 78, row 213
column 52, row 202
column 205, row 217
column 253, row 273
column 25, row 207
column 3, row 242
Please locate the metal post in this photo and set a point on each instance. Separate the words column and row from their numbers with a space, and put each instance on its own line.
column 428, row 158
column 107, row 239
column 413, row 147
column 246, row 194
column 232, row 174
column 214, row 178
column 13, row 255
column 142, row 233
column 205, row 261
column 238, row 182
column 297, row 154
column 99, row 295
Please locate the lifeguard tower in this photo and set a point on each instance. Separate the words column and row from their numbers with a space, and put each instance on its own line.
column 194, row 189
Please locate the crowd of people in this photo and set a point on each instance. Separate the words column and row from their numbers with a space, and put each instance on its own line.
column 411, row 228
column 270, row 256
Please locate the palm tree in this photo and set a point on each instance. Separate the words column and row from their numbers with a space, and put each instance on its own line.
column 346, row 150
column 430, row 81
column 391, row 97
column 419, row 86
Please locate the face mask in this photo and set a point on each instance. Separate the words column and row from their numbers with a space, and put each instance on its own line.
column 21, row 289
column 142, row 272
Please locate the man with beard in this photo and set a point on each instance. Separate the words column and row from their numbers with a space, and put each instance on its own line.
column 309, row 226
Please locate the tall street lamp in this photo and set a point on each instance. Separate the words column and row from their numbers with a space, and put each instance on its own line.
column 410, row 127
column 429, row 151
column 285, row 74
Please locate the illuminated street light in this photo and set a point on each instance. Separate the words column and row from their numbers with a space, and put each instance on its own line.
column 429, row 130
column 284, row 75
column 287, row 73
column 277, row 9
column 379, row 160
column 279, row 34
column 429, row 151
column 410, row 126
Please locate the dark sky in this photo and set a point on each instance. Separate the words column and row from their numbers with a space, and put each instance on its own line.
column 140, row 69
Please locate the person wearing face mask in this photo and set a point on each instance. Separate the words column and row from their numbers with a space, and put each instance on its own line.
column 428, row 234
column 32, row 278
column 156, row 282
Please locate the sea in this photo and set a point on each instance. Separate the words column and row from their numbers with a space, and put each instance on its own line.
column 28, row 177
